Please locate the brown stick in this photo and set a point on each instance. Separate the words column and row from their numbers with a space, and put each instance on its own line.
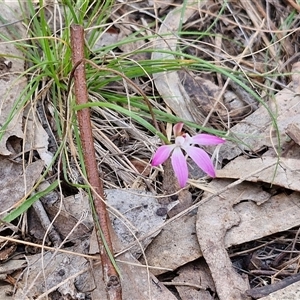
column 260, row 292
column 110, row 275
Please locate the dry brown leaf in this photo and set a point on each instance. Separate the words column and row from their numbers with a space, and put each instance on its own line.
column 283, row 172
column 203, row 94
column 230, row 219
column 168, row 83
column 64, row 223
column 10, row 85
column 36, row 137
column 54, row 271
column 72, row 214
column 142, row 166
column 214, row 219
column 291, row 292
column 12, row 265
column 177, row 244
column 134, row 208
column 293, row 131
column 125, row 19
column 256, row 131
column 198, row 274
column 279, row 213
column 137, row 282
column 107, row 38
column 15, row 178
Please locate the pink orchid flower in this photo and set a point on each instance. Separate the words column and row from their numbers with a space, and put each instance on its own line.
column 183, row 141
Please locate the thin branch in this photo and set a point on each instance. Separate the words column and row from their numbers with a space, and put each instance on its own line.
column 111, row 277
column 260, row 292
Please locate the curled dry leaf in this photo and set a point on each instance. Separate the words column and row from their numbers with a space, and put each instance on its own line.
column 168, row 83
column 11, row 85
column 203, row 94
column 142, row 166
column 36, row 137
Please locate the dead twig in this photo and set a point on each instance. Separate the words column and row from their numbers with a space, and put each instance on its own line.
column 260, row 292
column 111, row 277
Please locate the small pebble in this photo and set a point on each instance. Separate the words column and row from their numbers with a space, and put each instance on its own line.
column 162, row 211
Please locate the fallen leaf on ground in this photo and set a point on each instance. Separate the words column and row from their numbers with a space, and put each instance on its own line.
column 204, row 93
column 175, row 246
column 168, row 83
column 257, row 131
column 284, row 172
column 136, row 280
column 17, row 179
column 235, row 215
column 291, row 292
column 214, row 219
column 197, row 274
column 293, row 131
column 137, row 283
column 55, row 271
column 259, row 213
column 36, row 137
column 181, row 199
column 134, row 207
column 11, row 85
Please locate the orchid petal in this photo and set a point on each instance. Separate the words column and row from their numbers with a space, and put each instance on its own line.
column 202, row 159
column 177, row 128
column 206, row 139
column 161, row 155
column 179, row 166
